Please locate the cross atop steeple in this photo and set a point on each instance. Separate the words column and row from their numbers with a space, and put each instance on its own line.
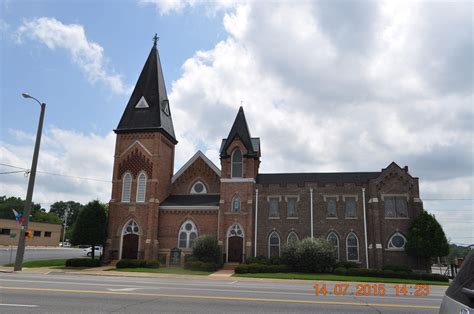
column 155, row 40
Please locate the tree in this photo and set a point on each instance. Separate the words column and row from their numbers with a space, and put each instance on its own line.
column 426, row 238
column 59, row 208
column 90, row 226
column 38, row 214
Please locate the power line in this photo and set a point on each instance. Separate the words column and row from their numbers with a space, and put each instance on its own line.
column 12, row 172
column 54, row 174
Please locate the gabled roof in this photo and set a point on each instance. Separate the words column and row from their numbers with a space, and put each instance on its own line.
column 240, row 129
column 151, row 87
column 199, row 154
column 321, row 177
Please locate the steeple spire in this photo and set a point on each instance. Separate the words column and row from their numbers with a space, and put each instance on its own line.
column 148, row 108
column 240, row 129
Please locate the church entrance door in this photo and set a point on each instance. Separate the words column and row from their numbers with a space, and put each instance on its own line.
column 130, row 246
column 236, row 245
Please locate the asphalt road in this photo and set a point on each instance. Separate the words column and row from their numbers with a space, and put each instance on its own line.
column 61, row 293
column 33, row 254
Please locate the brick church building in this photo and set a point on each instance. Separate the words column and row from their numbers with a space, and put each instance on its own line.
column 154, row 212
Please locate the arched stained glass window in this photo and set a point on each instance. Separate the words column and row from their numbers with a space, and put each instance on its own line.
column 292, row 237
column 236, row 204
column 274, row 244
column 397, row 241
column 141, row 187
column 352, row 247
column 187, row 234
column 237, row 164
column 126, row 187
column 334, row 240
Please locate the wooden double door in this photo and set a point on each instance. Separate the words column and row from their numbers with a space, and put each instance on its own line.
column 130, row 246
column 235, row 249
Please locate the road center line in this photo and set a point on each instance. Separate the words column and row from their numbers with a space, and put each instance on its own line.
column 180, row 296
column 18, row 305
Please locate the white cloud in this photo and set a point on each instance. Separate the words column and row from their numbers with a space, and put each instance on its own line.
column 62, row 152
column 338, row 86
column 165, row 7
column 88, row 55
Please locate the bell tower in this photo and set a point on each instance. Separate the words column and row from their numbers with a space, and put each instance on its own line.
column 240, row 160
column 143, row 166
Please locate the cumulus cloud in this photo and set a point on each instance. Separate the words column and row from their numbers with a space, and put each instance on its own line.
column 339, row 86
column 88, row 55
column 65, row 171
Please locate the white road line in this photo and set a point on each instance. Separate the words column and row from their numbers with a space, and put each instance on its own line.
column 231, row 283
column 18, row 305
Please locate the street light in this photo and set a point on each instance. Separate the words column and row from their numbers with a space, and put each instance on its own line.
column 20, row 252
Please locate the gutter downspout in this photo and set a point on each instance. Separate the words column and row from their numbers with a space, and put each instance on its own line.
column 256, row 221
column 365, row 230
column 311, row 209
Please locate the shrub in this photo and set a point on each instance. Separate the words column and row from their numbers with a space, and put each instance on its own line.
column 347, row 265
column 261, row 268
column 206, row 249
column 258, row 260
column 82, row 262
column 397, row 268
column 340, row 271
column 312, row 256
column 242, row 269
column 137, row 263
column 288, row 254
column 200, row 266
column 388, row 274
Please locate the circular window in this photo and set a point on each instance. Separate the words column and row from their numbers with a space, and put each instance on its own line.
column 129, row 229
column 135, row 229
column 189, row 227
column 398, row 241
column 198, row 187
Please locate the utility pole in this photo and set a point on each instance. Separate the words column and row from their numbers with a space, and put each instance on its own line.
column 65, row 222
column 20, row 252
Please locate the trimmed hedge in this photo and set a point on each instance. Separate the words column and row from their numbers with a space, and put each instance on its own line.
column 260, row 268
column 137, row 263
column 347, row 265
column 274, row 260
column 388, row 274
column 200, row 266
column 83, row 262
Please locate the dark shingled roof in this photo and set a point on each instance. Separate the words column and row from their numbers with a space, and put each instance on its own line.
column 150, row 85
column 322, row 177
column 192, row 200
column 240, row 129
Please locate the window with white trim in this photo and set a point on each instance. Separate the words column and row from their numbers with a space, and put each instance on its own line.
column 237, row 164
column 395, row 206
column 141, row 187
column 351, row 207
column 131, row 228
column 236, row 204
column 274, row 244
column 187, row 234
column 292, row 237
column 274, row 211
column 292, row 209
column 334, row 240
column 198, row 188
column 331, row 207
column 126, row 187
column 397, row 242
column 352, row 247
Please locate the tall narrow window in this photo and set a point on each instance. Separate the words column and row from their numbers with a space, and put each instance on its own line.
column 141, row 187
column 236, row 204
column 292, row 237
column 334, row 240
column 187, row 234
column 292, row 210
column 352, row 247
column 351, row 207
column 274, row 210
column 274, row 244
column 331, row 207
column 126, row 187
column 237, row 164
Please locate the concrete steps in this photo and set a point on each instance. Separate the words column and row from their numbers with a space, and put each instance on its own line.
column 230, row 266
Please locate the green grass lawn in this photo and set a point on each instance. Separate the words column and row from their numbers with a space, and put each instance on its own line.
column 45, row 263
column 330, row 277
column 164, row 270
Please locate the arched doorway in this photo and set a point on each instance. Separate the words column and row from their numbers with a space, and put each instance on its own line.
column 130, row 240
column 235, row 244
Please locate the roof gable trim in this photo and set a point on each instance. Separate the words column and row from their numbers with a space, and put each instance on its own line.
column 199, row 154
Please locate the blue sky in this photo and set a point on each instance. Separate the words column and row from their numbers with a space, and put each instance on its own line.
column 326, row 85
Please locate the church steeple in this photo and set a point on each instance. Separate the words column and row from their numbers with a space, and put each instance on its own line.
column 148, row 108
column 240, row 130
